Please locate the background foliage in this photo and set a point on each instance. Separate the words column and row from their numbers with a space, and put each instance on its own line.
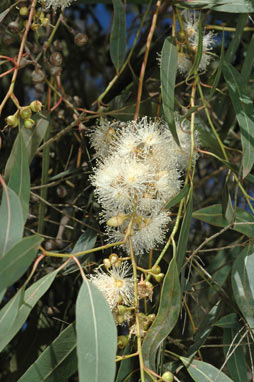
column 96, row 60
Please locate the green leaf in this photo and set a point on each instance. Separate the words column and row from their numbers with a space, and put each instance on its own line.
column 118, row 35
column 243, row 283
column 204, row 329
column 168, row 76
column 16, row 261
column 228, row 321
column 227, row 207
column 31, row 297
column 57, row 362
column 213, row 215
column 167, row 316
column 8, row 316
column 126, row 366
column 236, row 364
column 86, row 241
column 96, row 336
column 11, row 219
column 178, row 197
column 236, row 6
column 32, row 138
column 204, row 372
column 248, row 61
column 19, row 180
column 184, row 234
column 244, row 110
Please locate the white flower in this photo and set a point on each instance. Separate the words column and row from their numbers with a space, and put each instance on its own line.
column 184, row 64
column 115, row 285
column 56, row 3
column 147, row 231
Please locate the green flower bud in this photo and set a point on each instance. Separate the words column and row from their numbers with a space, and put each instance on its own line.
column 116, row 221
column 23, row 11
column 28, row 123
column 107, row 263
column 12, row 120
column 113, row 258
column 122, row 342
column 122, row 310
column 25, row 112
column 36, row 106
column 159, row 277
column 167, row 376
column 156, row 269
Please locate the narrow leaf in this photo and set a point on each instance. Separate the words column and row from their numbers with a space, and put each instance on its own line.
column 178, row 197
column 244, row 221
column 184, row 234
column 57, row 362
column 96, row 336
column 16, row 261
column 31, row 297
column 20, row 176
column 244, row 110
column 8, row 316
column 236, row 363
column 243, row 283
column 168, row 76
column 228, row 321
column 11, row 219
column 167, row 316
column 118, row 35
column 204, row 372
column 236, row 6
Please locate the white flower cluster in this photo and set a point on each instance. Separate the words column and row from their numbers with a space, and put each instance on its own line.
column 185, row 56
column 138, row 172
column 116, row 286
column 56, row 3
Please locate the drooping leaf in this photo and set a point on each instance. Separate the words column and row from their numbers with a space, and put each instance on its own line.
column 227, row 207
column 243, row 283
column 168, row 76
column 19, row 180
column 96, row 336
column 213, row 215
column 9, row 314
column 204, row 372
column 204, row 329
column 184, row 234
column 57, row 362
column 16, row 261
column 86, row 241
column 244, row 109
column 31, row 297
column 11, row 219
column 118, row 35
column 236, row 6
column 229, row 321
column 178, row 197
column 167, row 316
column 236, row 363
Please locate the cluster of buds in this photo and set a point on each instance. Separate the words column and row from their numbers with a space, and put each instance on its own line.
column 24, row 112
column 138, row 171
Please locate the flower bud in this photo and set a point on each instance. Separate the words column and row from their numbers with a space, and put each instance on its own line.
column 44, row 21
column 23, row 11
column 122, row 342
column 13, row 26
column 25, row 112
column 35, row 27
column 156, row 269
column 12, row 120
column 28, row 123
column 113, row 258
column 167, row 376
column 119, row 319
column 151, row 317
column 159, row 277
column 121, row 310
column 56, row 59
column 107, row 263
column 116, row 221
column 80, row 39
column 36, row 106
column 38, row 76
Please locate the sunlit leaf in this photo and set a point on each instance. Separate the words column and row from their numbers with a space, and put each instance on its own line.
column 236, row 6
column 96, row 336
column 16, row 261
column 178, row 197
column 11, row 220
column 167, row 316
column 57, row 362
column 9, row 314
column 244, row 221
column 204, row 372
column 19, row 180
column 31, row 297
